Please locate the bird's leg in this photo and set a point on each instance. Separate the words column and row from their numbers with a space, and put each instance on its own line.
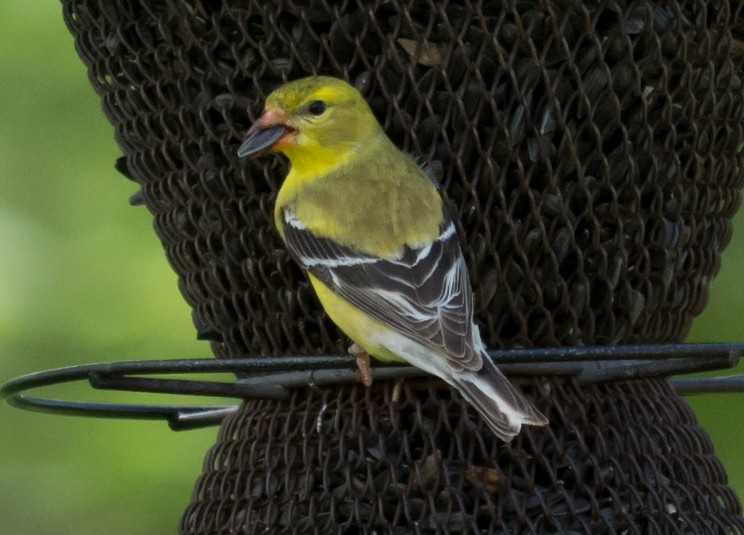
column 364, row 372
column 397, row 388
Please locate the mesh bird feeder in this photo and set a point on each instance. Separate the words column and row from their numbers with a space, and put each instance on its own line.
column 591, row 153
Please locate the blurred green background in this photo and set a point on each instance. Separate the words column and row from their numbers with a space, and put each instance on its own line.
column 83, row 279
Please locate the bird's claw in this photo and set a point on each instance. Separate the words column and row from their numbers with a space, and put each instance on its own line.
column 364, row 371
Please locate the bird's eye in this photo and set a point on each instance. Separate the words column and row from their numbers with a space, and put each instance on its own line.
column 316, row 108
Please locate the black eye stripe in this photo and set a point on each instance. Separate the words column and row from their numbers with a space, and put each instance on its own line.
column 316, row 107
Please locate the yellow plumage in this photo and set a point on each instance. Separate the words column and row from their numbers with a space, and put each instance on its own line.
column 356, row 324
column 370, row 229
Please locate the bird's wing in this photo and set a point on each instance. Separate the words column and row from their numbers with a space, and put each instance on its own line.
column 424, row 295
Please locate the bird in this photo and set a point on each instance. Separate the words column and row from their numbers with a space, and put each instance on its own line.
column 371, row 230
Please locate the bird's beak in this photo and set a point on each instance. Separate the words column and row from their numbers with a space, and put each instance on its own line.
column 270, row 133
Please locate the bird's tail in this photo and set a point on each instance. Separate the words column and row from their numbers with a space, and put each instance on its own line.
column 500, row 404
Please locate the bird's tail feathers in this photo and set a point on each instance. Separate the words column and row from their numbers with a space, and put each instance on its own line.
column 498, row 401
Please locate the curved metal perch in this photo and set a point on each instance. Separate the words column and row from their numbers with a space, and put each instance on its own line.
column 272, row 377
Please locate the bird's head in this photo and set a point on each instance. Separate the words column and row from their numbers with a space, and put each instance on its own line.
column 317, row 122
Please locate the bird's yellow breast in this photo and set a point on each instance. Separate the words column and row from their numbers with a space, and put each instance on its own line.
column 361, row 328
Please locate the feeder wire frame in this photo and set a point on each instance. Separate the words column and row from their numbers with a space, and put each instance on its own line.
column 590, row 153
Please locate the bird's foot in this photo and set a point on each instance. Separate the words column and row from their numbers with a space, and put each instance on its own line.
column 364, row 372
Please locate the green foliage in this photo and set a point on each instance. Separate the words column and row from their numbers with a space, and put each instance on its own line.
column 83, row 279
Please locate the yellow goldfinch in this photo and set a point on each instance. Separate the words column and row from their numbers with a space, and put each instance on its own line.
column 371, row 230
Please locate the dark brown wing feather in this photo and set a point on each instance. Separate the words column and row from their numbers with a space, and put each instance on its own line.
column 424, row 295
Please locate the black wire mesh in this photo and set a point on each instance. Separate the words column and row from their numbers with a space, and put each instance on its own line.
column 409, row 460
column 592, row 155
